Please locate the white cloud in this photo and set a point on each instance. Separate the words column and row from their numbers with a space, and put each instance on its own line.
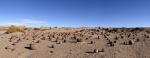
column 27, row 22
column 11, row 23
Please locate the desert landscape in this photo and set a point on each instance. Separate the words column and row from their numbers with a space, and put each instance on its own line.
column 74, row 28
column 18, row 42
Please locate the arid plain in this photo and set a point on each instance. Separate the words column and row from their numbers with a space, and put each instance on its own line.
column 76, row 43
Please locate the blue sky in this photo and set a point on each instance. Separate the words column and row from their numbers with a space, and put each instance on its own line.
column 109, row 13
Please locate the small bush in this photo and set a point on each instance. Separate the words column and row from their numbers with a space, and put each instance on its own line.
column 36, row 28
column 13, row 28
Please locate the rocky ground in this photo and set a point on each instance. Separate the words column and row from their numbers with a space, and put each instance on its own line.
column 76, row 43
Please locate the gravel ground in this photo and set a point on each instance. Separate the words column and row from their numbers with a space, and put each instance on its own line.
column 77, row 43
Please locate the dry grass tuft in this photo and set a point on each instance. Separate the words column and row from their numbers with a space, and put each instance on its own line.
column 13, row 28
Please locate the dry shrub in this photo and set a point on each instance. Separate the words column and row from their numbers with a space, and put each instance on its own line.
column 2, row 28
column 36, row 28
column 13, row 28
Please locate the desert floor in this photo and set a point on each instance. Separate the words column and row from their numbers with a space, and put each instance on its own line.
column 76, row 43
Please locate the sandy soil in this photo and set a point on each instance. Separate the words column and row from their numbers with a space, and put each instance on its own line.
column 85, row 43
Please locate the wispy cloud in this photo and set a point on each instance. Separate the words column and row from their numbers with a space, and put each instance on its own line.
column 26, row 22
column 29, row 21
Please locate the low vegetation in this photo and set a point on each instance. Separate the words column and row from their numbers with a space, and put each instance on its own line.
column 13, row 28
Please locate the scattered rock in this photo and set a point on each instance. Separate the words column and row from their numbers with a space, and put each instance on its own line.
column 131, row 42
column 79, row 40
column 92, row 42
column 110, row 43
column 29, row 47
column 64, row 41
column 52, row 46
column 96, row 50
column 51, row 51
column 37, row 41
column 6, row 47
column 102, row 50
